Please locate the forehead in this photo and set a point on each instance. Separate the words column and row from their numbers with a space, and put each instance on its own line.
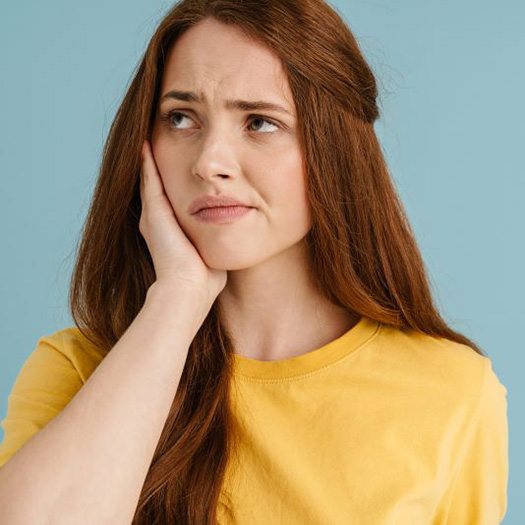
column 218, row 60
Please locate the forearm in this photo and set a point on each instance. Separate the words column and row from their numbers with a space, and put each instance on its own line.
column 88, row 464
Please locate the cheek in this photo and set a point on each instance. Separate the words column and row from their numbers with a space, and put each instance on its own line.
column 289, row 197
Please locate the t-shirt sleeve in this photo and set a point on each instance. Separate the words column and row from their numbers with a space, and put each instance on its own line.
column 478, row 491
column 46, row 383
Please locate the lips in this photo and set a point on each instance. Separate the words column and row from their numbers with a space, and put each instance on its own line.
column 223, row 214
column 214, row 201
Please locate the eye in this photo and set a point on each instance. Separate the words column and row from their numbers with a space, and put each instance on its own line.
column 261, row 119
column 170, row 115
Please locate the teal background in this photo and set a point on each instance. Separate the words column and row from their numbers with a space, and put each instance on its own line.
column 451, row 80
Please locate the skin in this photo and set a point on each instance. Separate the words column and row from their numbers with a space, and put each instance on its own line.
column 271, row 306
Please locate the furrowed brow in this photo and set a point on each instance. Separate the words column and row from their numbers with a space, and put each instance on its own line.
column 243, row 105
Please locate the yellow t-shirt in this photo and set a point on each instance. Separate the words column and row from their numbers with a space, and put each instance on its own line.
column 378, row 427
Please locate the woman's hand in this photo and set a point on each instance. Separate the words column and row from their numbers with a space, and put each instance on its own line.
column 176, row 260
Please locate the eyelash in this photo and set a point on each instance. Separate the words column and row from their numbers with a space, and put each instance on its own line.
column 166, row 117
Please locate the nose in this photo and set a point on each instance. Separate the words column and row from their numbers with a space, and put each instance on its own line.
column 215, row 157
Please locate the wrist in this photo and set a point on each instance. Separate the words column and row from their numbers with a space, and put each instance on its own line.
column 179, row 304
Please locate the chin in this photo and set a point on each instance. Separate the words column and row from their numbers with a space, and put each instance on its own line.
column 229, row 261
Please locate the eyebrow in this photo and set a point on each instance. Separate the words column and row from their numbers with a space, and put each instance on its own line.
column 243, row 105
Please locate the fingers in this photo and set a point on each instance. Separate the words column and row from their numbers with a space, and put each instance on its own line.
column 150, row 182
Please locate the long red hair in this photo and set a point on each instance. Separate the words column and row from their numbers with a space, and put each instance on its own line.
column 362, row 250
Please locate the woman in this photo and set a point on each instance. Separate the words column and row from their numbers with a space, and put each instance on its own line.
column 255, row 339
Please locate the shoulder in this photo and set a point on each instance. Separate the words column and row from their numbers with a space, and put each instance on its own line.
column 66, row 348
column 448, row 373
column 56, row 369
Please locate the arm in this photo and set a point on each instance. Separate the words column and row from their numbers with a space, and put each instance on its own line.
column 478, row 491
column 88, row 464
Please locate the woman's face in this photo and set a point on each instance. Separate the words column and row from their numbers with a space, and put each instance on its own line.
column 209, row 148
